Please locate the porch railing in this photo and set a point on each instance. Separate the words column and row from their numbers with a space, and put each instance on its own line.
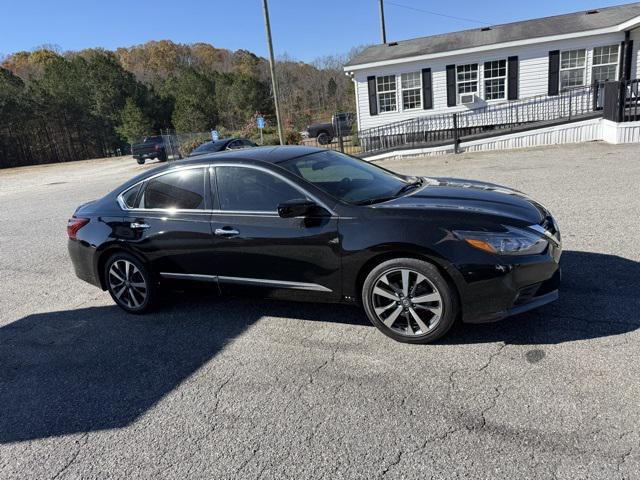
column 488, row 120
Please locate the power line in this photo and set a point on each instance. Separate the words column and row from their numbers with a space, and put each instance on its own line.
column 408, row 7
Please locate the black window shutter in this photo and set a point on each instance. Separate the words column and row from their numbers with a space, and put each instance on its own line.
column 373, row 101
column 427, row 89
column 628, row 57
column 451, row 86
column 554, row 72
column 512, row 93
column 621, row 61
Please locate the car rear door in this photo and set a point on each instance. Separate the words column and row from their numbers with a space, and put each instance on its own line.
column 169, row 224
column 255, row 247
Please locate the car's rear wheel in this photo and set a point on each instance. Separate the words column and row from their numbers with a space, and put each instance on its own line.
column 129, row 283
column 323, row 138
column 409, row 300
column 140, row 161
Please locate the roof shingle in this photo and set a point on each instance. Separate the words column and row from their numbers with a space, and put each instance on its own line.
column 509, row 32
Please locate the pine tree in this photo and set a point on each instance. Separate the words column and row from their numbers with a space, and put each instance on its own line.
column 135, row 123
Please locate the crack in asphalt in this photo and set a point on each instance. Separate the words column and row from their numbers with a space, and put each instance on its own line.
column 74, row 456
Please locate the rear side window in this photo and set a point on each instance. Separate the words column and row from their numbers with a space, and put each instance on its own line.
column 183, row 189
column 130, row 196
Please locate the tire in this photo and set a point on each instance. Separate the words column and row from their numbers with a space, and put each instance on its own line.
column 129, row 283
column 324, row 138
column 140, row 161
column 386, row 299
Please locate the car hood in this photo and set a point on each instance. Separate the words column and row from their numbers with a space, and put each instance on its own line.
column 470, row 196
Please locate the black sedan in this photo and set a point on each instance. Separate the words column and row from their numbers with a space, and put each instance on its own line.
column 316, row 225
column 221, row 145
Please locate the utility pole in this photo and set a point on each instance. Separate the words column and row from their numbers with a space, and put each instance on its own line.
column 382, row 28
column 272, row 67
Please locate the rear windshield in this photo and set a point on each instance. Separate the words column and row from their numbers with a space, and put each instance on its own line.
column 210, row 147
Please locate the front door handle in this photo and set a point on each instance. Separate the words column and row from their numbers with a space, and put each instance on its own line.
column 138, row 226
column 226, row 232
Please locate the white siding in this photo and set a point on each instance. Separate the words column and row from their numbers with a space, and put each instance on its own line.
column 533, row 76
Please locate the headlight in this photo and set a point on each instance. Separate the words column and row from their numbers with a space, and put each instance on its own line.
column 513, row 241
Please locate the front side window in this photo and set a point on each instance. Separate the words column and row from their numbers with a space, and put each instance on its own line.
column 495, row 80
column 386, row 87
column 605, row 63
column 244, row 189
column 467, row 76
column 411, row 84
column 179, row 190
column 572, row 64
column 346, row 178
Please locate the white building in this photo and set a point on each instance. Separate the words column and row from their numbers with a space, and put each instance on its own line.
column 464, row 70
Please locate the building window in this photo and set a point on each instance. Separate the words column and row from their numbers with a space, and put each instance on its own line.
column 386, row 87
column 411, row 84
column 605, row 63
column 467, row 79
column 495, row 80
column 572, row 65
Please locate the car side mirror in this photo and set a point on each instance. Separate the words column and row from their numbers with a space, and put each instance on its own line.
column 298, row 207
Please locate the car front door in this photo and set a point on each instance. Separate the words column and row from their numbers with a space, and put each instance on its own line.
column 255, row 247
column 168, row 223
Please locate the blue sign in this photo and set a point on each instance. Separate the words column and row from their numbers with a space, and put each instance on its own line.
column 260, row 122
column 215, row 135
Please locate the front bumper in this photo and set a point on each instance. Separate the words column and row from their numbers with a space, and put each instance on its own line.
column 529, row 298
column 496, row 291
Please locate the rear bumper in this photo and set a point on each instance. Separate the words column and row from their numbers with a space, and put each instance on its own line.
column 140, row 156
column 82, row 257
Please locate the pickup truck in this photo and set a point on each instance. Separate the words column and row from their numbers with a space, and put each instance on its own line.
column 326, row 132
column 151, row 147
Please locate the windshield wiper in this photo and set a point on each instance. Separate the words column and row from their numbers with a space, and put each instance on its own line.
column 410, row 186
column 371, row 201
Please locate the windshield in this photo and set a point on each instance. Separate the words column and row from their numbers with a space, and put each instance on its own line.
column 347, row 178
column 210, row 147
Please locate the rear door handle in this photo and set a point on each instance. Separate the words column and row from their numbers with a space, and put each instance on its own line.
column 226, row 232
column 138, row 226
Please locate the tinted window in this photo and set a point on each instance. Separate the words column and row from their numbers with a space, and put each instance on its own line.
column 208, row 147
column 235, row 145
column 181, row 190
column 345, row 177
column 129, row 197
column 247, row 189
column 248, row 143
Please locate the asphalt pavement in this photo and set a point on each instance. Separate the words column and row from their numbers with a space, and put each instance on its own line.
column 212, row 387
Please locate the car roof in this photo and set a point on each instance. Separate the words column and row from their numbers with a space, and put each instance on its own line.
column 270, row 154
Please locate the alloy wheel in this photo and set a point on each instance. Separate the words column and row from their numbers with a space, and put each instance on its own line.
column 407, row 302
column 127, row 284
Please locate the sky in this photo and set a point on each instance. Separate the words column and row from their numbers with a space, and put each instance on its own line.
column 302, row 29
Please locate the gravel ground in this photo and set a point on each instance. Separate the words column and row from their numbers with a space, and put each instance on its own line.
column 220, row 388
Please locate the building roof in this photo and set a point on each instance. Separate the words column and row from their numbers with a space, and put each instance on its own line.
column 584, row 21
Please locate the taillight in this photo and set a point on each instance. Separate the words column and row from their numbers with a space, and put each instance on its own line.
column 74, row 224
column 158, row 147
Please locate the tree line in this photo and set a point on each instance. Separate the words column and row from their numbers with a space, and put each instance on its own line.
column 91, row 103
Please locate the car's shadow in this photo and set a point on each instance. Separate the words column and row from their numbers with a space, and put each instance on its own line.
column 98, row 368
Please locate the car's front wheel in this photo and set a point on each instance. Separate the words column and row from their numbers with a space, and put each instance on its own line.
column 409, row 300
column 129, row 283
column 140, row 161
